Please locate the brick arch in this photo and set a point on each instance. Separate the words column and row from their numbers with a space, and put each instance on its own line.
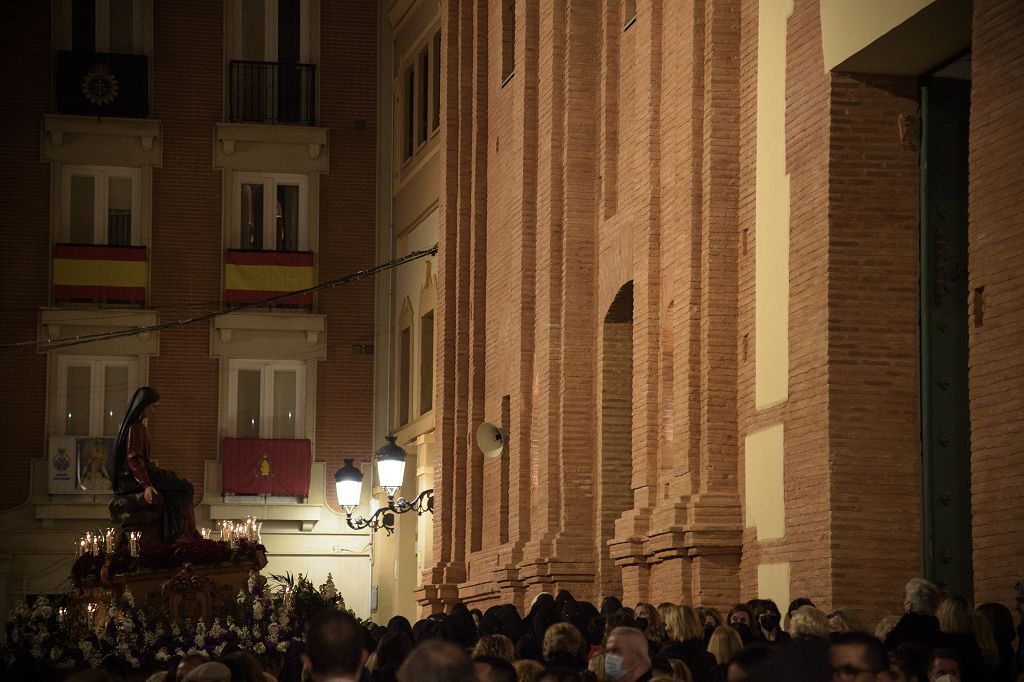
column 614, row 462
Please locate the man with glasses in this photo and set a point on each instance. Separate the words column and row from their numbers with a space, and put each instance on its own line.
column 858, row 657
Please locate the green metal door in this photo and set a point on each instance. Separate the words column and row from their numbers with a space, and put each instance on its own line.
column 945, row 407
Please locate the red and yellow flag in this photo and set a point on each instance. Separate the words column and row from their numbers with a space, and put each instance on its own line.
column 112, row 273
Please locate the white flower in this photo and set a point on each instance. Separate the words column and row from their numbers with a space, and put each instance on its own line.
column 45, row 611
column 282, row 646
column 260, row 648
column 55, row 653
column 241, row 597
column 328, row 590
column 257, row 610
column 129, row 597
column 219, row 649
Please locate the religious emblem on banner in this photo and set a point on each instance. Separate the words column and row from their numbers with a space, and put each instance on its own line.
column 99, row 85
column 265, row 470
column 62, row 463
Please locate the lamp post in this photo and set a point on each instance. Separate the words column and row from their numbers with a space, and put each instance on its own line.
column 390, row 470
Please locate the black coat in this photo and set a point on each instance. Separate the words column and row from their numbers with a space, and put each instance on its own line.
column 691, row 652
column 915, row 627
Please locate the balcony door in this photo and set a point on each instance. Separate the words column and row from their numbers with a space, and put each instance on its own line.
column 109, row 26
column 273, row 40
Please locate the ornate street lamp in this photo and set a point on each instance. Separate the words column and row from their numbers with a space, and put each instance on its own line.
column 390, row 470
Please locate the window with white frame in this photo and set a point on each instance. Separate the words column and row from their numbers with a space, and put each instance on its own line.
column 272, row 30
column 92, row 394
column 272, row 213
column 266, row 398
column 418, row 97
column 101, row 205
column 114, row 26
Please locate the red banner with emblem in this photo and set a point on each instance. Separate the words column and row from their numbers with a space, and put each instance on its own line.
column 266, row 466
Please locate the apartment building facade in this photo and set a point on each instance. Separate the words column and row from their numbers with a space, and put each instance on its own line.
column 166, row 160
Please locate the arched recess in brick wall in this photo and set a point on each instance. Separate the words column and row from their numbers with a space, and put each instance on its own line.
column 614, row 465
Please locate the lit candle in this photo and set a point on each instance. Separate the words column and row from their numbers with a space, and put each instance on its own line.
column 259, row 532
column 205, row 532
column 90, row 613
column 62, row 614
column 133, row 543
column 81, row 548
column 110, row 541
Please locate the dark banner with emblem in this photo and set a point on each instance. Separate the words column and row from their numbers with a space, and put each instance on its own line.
column 101, row 84
column 266, row 466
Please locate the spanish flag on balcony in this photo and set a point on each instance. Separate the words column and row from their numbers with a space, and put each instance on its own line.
column 108, row 273
column 253, row 276
column 266, row 466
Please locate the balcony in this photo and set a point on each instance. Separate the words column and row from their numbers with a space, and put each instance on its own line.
column 107, row 274
column 102, row 84
column 254, row 276
column 272, row 92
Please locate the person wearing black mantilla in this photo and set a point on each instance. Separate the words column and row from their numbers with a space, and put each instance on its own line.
column 132, row 472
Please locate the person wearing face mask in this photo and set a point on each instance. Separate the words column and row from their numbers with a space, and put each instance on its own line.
column 626, row 656
column 768, row 620
column 741, row 619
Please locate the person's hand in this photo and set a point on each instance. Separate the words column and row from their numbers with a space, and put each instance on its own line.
column 149, row 494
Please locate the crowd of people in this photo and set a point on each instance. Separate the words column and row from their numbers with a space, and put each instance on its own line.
column 937, row 638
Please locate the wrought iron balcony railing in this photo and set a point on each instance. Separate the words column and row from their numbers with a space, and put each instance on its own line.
column 102, row 84
column 272, row 92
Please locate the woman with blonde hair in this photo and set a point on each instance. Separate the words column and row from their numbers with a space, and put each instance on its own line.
column 844, row 620
column 686, row 642
column 807, row 621
column 498, row 646
column 956, row 620
column 725, row 643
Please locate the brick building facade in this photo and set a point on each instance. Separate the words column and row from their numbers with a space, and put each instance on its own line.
column 685, row 259
column 259, row 117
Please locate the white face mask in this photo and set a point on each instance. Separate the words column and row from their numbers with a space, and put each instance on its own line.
column 614, row 666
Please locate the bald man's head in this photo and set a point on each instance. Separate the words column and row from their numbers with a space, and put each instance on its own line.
column 630, row 645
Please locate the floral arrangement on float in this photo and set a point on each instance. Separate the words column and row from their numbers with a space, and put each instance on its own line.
column 93, row 624
column 264, row 621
